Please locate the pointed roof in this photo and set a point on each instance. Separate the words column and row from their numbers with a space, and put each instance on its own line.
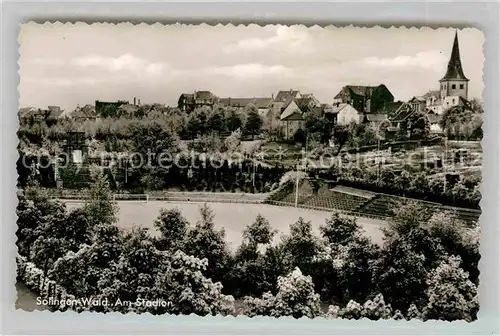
column 455, row 70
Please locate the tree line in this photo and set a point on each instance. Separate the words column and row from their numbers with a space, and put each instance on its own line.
column 118, row 134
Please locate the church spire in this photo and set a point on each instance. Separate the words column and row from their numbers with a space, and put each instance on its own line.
column 455, row 71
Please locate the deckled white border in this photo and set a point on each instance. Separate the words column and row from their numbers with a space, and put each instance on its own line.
column 483, row 16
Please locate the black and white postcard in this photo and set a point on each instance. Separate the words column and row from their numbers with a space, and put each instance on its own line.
column 270, row 170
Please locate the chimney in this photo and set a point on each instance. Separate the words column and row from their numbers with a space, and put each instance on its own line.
column 272, row 96
column 138, row 102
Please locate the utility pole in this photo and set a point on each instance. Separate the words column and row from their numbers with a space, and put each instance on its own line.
column 444, row 163
column 297, row 187
column 379, row 163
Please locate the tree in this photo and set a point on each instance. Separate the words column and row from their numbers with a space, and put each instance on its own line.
column 451, row 295
column 150, row 136
column 417, row 126
column 340, row 230
column 188, row 291
column 233, row 119
column 28, row 221
column 233, row 142
column 300, row 136
column 400, row 274
column 340, row 135
column 254, row 122
column 458, row 239
column 301, row 246
column 204, row 241
column 100, row 208
column 345, row 271
column 295, row 297
column 403, row 179
column 259, row 232
column 215, row 122
column 173, row 228
column 372, row 309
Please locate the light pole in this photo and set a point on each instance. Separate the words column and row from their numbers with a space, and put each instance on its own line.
column 297, row 187
column 444, row 163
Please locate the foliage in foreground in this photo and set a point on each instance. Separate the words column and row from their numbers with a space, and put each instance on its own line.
column 425, row 269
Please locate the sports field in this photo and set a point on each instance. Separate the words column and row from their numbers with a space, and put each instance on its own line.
column 233, row 217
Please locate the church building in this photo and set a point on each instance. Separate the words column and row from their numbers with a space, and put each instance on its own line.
column 454, row 86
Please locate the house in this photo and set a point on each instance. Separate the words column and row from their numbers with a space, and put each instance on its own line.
column 453, row 87
column 84, row 113
column 109, row 109
column 291, row 120
column 345, row 114
column 188, row 102
column 418, row 103
column 291, row 117
column 308, row 103
column 262, row 104
column 53, row 114
column 50, row 115
column 27, row 114
column 283, row 99
column 365, row 99
column 409, row 108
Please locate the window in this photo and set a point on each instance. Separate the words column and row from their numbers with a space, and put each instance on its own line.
column 453, row 86
column 461, row 86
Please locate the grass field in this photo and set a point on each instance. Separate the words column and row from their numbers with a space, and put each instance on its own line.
column 233, row 217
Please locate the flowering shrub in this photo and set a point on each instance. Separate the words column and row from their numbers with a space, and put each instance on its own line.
column 295, row 298
column 33, row 278
column 451, row 295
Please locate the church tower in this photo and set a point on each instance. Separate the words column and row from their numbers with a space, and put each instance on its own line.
column 454, row 82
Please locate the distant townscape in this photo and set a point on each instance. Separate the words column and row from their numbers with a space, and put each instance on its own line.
column 179, row 209
column 286, row 112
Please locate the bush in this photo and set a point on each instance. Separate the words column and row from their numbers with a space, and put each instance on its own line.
column 295, row 298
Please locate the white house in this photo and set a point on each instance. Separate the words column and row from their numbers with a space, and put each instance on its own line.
column 346, row 114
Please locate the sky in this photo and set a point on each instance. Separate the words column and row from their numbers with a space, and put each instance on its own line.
column 69, row 65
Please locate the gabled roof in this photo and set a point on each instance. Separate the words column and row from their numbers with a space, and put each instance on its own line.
column 286, row 96
column 432, row 93
column 294, row 116
column 402, row 113
column 336, row 108
column 358, row 90
column 129, row 109
column 54, row 112
column 262, row 102
column 204, row 95
column 235, row 102
column 87, row 111
column 188, row 97
column 323, row 108
column 305, row 103
column 454, row 70
column 418, row 99
column 390, row 109
column 24, row 112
